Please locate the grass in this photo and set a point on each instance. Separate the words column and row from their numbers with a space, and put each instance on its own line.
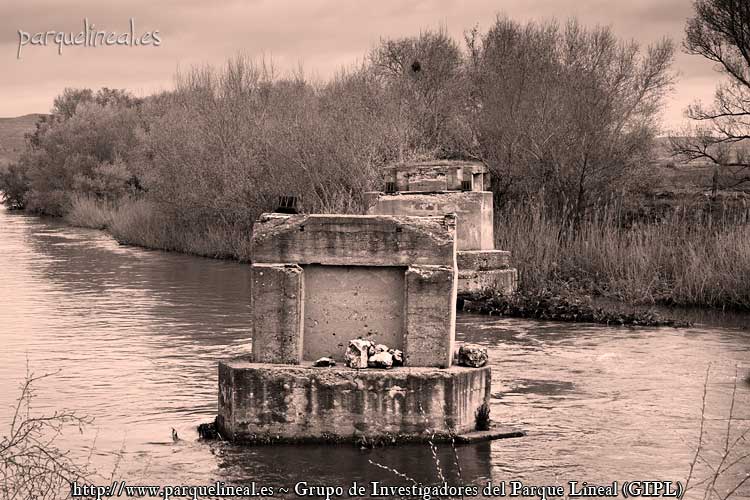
column 690, row 257
column 140, row 222
column 86, row 211
column 482, row 418
column 144, row 223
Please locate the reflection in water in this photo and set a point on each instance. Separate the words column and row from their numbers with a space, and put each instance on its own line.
column 340, row 465
column 136, row 335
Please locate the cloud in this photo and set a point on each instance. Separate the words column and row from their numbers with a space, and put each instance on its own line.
column 322, row 35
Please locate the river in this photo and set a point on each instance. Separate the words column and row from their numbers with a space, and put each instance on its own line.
column 132, row 338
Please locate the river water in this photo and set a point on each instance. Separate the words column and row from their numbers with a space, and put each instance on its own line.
column 133, row 337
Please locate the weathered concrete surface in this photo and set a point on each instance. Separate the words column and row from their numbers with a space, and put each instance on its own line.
column 485, row 270
column 277, row 303
column 430, row 316
column 438, row 175
column 474, row 210
column 504, row 281
column 267, row 402
column 482, row 260
column 355, row 240
column 346, row 302
column 391, row 279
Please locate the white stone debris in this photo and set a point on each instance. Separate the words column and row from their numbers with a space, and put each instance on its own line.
column 382, row 359
column 357, row 353
column 363, row 353
column 324, row 362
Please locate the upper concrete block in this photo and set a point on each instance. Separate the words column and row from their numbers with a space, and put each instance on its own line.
column 355, row 240
column 438, row 175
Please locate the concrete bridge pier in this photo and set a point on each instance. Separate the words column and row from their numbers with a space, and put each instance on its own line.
column 322, row 280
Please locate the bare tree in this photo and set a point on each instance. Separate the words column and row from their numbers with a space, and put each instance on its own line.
column 720, row 32
column 31, row 464
column 423, row 80
column 565, row 109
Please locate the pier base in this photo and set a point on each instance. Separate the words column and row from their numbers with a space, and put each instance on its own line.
column 268, row 403
column 485, row 270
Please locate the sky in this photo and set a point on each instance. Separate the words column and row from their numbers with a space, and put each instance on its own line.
column 320, row 36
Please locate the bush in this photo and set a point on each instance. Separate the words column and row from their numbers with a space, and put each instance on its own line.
column 14, row 186
column 482, row 420
column 87, row 211
column 86, row 147
column 31, row 465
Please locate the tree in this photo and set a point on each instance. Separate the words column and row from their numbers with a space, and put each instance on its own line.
column 14, row 186
column 84, row 147
column 564, row 110
column 720, row 32
column 32, row 465
column 423, row 77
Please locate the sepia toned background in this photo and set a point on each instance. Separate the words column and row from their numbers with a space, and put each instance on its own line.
column 321, row 36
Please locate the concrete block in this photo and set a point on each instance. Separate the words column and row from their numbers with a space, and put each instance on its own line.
column 282, row 403
column 430, row 316
column 354, row 240
column 482, row 260
column 437, row 175
column 364, row 276
column 277, row 299
column 504, row 281
column 474, row 213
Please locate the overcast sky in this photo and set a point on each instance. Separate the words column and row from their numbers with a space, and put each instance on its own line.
column 322, row 35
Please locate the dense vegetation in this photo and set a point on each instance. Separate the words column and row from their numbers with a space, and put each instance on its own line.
column 564, row 116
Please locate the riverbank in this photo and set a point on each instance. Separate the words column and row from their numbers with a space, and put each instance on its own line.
column 683, row 260
column 693, row 253
column 689, row 257
column 141, row 222
column 548, row 299
column 556, row 306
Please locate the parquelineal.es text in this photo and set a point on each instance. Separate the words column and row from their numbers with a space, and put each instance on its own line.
column 89, row 37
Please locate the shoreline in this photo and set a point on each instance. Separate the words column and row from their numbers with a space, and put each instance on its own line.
column 552, row 303
column 567, row 308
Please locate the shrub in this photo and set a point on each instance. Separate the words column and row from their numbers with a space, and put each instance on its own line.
column 14, row 186
column 87, row 211
column 31, row 464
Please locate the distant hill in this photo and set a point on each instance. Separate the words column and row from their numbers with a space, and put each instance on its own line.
column 12, row 132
